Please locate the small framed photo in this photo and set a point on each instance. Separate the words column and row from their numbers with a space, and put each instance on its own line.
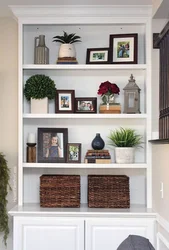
column 52, row 145
column 123, row 48
column 86, row 105
column 74, row 152
column 98, row 56
column 64, row 102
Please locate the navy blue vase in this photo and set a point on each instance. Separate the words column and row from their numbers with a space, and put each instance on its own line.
column 98, row 143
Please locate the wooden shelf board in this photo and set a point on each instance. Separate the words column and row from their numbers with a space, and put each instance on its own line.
column 35, row 209
column 85, row 116
column 160, row 141
column 84, row 165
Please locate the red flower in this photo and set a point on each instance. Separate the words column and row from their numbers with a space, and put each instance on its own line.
column 108, row 88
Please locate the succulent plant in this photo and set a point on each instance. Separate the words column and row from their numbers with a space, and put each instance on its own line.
column 67, row 38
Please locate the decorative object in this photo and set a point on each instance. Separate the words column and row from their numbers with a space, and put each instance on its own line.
column 131, row 97
column 37, row 88
column 52, row 145
column 67, row 49
column 98, row 156
column 74, row 152
column 124, row 140
column 98, row 56
column 98, row 143
column 60, row 191
column 64, row 101
column 108, row 191
column 138, row 242
column 123, row 48
column 86, row 105
column 31, row 149
column 4, row 186
column 108, row 90
column 41, row 54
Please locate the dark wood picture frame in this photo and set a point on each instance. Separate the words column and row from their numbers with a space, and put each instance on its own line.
column 98, row 56
column 86, row 105
column 49, row 153
column 64, row 101
column 123, row 48
column 74, row 153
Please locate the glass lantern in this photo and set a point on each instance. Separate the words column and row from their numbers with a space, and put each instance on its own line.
column 131, row 97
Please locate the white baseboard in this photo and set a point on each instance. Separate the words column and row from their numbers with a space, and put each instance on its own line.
column 163, row 223
column 161, row 238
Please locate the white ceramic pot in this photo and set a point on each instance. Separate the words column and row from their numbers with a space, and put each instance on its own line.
column 124, row 155
column 67, row 50
column 39, row 106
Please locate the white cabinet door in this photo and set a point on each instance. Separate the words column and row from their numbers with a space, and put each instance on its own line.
column 48, row 233
column 109, row 233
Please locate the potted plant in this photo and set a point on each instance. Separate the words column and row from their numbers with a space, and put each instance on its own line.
column 67, row 41
column 108, row 90
column 4, row 186
column 125, row 140
column 38, row 89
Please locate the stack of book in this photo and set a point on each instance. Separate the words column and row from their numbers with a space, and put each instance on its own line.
column 98, row 156
column 110, row 109
column 67, row 60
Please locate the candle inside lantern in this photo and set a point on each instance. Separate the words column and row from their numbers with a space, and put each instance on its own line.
column 31, row 138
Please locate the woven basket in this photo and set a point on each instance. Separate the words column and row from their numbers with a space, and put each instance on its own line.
column 108, row 191
column 60, row 191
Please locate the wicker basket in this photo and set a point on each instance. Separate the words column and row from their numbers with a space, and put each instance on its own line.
column 60, row 191
column 108, row 191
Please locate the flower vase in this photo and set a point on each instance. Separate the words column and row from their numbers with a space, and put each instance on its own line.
column 109, row 106
column 98, row 143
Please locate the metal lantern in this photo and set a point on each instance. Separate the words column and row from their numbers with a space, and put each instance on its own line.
column 131, row 97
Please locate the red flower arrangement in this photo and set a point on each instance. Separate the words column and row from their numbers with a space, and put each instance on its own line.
column 107, row 91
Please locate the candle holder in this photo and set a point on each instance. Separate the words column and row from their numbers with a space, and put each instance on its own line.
column 31, row 152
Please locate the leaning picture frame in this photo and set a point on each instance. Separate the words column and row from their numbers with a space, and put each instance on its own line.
column 86, row 105
column 74, row 153
column 52, row 145
column 123, row 48
column 64, row 101
column 98, row 56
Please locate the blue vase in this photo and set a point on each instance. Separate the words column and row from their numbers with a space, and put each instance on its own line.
column 98, row 143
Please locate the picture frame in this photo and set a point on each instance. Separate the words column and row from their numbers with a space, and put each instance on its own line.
column 74, row 153
column 64, row 101
column 98, row 56
column 86, row 105
column 52, row 145
column 123, row 48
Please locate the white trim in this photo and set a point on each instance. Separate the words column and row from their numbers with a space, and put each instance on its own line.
column 37, row 11
column 163, row 223
column 160, row 237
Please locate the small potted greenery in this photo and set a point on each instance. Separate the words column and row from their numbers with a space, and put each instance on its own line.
column 125, row 140
column 4, row 186
column 67, row 41
column 38, row 89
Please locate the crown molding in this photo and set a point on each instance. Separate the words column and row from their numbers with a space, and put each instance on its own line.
column 49, row 11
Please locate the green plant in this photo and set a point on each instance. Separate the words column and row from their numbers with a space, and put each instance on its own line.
column 67, row 38
column 4, row 185
column 39, row 87
column 125, row 137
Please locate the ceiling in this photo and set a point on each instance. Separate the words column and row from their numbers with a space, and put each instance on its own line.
column 5, row 11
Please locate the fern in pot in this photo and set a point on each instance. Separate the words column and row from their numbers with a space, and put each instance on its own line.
column 67, row 41
column 125, row 140
column 38, row 89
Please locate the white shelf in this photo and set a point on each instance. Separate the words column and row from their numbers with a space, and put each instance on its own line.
column 35, row 209
column 84, row 166
column 86, row 66
column 85, row 116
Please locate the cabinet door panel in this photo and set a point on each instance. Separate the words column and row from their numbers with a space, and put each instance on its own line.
column 48, row 233
column 108, row 234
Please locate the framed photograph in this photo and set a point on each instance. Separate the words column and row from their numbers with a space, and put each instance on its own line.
column 98, row 56
column 64, row 102
column 86, row 105
column 52, row 145
column 74, row 152
column 123, row 48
